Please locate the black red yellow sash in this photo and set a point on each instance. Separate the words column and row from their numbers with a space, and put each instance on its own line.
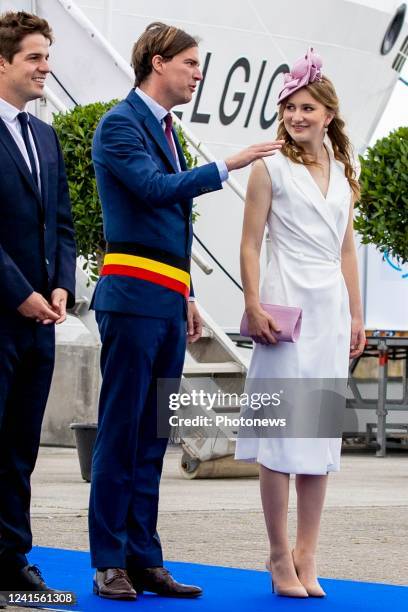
column 147, row 263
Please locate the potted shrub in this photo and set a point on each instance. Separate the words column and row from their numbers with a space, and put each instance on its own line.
column 382, row 211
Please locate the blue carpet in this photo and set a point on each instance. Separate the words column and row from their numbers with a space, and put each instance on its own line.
column 225, row 589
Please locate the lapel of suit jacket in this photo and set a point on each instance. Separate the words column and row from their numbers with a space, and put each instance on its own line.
column 182, row 159
column 19, row 160
column 157, row 132
column 154, row 128
column 43, row 165
column 183, row 167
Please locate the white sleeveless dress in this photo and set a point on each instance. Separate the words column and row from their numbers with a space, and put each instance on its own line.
column 306, row 232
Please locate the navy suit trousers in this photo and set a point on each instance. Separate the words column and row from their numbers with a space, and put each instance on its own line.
column 128, row 454
column 27, row 352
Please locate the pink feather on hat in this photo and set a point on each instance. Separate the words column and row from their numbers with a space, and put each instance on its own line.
column 305, row 70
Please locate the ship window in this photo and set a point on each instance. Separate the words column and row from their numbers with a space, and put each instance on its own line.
column 393, row 30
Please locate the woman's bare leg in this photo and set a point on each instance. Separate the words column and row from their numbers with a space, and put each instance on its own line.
column 275, row 497
column 311, row 492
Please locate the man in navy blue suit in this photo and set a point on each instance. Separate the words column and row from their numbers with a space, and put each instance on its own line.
column 37, row 280
column 144, row 304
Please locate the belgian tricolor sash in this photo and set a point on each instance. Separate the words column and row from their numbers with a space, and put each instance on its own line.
column 148, row 263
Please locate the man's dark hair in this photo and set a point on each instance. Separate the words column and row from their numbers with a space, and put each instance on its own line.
column 158, row 39
column 14, row 27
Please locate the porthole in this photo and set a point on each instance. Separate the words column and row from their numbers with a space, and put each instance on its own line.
column 393, row 30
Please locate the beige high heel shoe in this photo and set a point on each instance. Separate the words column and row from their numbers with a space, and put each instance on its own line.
column 313, row 590
column 289, row 591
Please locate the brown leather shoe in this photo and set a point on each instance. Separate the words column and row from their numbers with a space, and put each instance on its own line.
column 159, row 580
column 113, row 583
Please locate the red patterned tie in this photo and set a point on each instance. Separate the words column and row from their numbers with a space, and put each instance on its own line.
column 167, row 132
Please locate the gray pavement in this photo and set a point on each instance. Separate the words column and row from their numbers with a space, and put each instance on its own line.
column 364, row 529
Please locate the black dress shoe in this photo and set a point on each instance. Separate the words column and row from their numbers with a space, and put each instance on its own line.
column 159, row 580
column 28, row 578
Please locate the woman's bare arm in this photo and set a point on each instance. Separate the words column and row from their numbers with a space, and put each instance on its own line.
column 349, row 268
column 257, row 205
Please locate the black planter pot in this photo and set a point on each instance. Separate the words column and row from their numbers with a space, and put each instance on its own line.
column 85, row 436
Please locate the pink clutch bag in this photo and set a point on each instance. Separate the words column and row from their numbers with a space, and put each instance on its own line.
column 288, row 319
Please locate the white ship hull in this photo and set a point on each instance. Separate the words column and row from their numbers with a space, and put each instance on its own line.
column 245, row 46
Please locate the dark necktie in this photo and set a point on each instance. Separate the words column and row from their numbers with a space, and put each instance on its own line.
column 23, row 119
column 168, row 121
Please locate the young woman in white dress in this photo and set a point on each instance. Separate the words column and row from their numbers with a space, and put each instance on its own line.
column 305, row 195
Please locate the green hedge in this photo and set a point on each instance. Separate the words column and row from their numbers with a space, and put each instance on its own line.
column 382, row 212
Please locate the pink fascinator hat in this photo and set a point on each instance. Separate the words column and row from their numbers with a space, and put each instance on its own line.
column 306, row 69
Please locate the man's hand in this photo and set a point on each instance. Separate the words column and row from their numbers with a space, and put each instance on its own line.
column 59, row 304
column 194, row 323
column 36, row 307
column 252, row 153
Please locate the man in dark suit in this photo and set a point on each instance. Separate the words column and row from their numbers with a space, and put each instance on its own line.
column 37, row 280
column 143, row 301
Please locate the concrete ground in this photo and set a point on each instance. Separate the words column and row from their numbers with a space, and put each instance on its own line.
column 364, row 529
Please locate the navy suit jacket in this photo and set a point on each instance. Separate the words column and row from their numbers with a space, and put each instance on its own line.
column 145, row 200
column 37, row 248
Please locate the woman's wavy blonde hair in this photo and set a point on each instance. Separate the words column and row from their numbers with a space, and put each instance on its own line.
column 323, row 91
